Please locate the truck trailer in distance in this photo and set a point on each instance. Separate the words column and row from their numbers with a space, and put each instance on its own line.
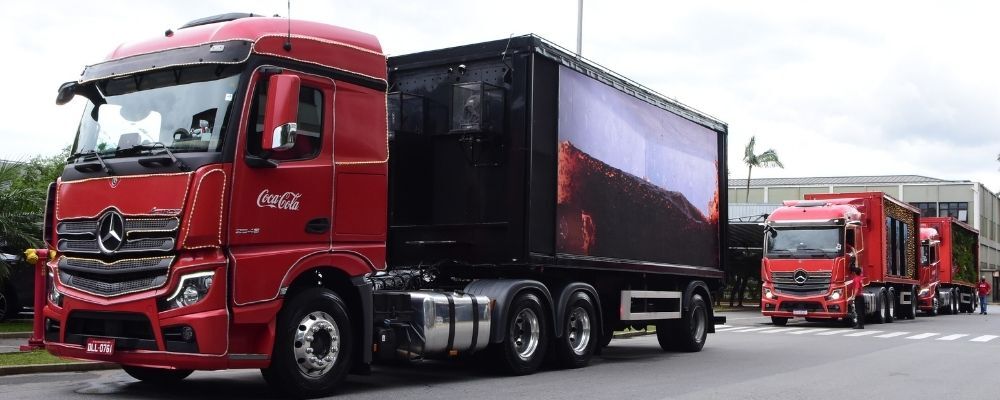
column 949, row 266
column 811, row 244
column 244, row 196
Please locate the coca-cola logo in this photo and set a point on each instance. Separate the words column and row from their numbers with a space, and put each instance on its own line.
column 284, row 201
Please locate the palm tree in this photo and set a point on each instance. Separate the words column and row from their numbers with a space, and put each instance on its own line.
column 763, row 160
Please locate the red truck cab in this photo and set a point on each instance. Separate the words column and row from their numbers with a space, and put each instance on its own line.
column 811, row 244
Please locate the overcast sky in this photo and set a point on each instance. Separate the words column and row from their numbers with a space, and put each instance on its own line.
column 836, row 88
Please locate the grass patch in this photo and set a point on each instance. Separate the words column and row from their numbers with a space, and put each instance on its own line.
column 15, row 326
column 30, row 358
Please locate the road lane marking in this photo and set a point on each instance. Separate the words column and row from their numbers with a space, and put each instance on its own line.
column 813, row 330
column 893, row 334
column 723, row 326
column 836, row 332
column 953, row 337
column 782, row 330
column 753, row 329
column 863, row 333
column 922, row 336
column 717, row 330
column 984, row 338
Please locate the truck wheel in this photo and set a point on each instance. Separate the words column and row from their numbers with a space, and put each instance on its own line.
column 935, row 304
column 914, row 303
column 523, row 351
column 890, row 305
column 779, row 321
column 575, row 348
column 689, row 333
column 880, row 311
column 312, row 345
column 157, row 376
column 954, row 301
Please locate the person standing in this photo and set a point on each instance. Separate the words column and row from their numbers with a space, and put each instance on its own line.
column 984, row 290
column 859, row 299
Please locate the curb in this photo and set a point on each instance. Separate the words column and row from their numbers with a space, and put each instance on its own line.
column 67, row 367
column 15, row 335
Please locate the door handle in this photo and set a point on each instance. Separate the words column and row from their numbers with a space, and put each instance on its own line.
column 318, row 225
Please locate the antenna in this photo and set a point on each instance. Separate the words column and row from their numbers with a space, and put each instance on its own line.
column 579, row 29
column 288, row 17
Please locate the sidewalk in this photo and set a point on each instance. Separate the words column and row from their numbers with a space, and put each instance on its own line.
column 12, row 345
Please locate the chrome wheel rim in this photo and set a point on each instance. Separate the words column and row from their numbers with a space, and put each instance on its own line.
column 579, row 330
column 525, row 334
column 317, row 344
column 892, row 307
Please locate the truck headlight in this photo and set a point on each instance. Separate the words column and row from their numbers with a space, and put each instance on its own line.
column 836, row 295
column 191, row 289
column 55, row 296
column 768, row 294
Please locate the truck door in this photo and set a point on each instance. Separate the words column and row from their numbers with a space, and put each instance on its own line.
column 281, row 210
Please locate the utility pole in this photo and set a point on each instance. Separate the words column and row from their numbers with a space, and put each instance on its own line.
column 579, row 29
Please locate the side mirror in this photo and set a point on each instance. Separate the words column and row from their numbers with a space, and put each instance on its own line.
column 281, row 112
column 66, row 92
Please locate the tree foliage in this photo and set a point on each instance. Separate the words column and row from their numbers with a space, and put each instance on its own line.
column 23, row 187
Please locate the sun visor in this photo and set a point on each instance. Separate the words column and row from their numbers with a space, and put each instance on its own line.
column 228, row 52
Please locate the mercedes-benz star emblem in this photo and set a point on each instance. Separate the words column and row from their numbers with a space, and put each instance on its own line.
column 111, row 232
column 800, row 277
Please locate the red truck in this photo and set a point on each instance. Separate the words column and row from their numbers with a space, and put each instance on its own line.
column 251, row 192
column 949, row 266
column 811, row 244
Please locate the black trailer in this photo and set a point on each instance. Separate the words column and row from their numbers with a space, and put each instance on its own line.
column 517, row 166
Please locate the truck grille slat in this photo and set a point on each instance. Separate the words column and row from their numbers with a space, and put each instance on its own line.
column 816, row 283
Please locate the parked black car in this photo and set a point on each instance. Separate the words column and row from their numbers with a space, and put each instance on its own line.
column 17, row 291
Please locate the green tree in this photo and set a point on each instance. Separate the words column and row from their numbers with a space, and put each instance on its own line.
column 767, row 159
column 23, row 188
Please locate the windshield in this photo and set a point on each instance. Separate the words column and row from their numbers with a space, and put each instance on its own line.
column 185, row 109
column 802, row 242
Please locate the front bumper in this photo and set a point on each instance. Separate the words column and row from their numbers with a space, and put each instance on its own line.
column 806, row 306
column 145, row 336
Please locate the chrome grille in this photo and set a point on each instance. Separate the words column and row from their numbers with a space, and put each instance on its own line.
column 99, row 265
column 87, row 265
column 815, row 283
column 103, row 287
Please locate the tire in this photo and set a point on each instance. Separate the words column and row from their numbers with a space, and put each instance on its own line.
column 580, row 329
column 935, row 304
column 914, row 303
column 851, row 320
column 157, row 376
column 6, row 305
column 779, row 321
column 880, row 312
column 957, row 302
column 689, row 333
column 313, row 322
column 523, row 351
column 890, row 305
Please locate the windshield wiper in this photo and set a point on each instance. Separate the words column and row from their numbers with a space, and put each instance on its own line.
column 159, row 161
column 91, row 167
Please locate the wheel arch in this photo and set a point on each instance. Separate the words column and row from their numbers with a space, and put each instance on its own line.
column 355, row 291
column 503, row 292
column 563, row 293
column 700, row 287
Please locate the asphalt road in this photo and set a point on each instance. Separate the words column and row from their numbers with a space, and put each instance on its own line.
column 952, row 356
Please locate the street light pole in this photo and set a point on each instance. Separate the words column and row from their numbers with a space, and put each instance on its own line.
column 579, row 28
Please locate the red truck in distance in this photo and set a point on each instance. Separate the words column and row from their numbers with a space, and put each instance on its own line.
column 252, row 192
column 810, row 245
column 949, row 266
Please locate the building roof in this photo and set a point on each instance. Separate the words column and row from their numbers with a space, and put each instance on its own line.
column 838, row 180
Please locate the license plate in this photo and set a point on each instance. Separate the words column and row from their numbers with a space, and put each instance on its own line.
column 800, row 312
column 100, row 346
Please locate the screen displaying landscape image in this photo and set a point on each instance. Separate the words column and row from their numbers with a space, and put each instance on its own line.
column 636, row 182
